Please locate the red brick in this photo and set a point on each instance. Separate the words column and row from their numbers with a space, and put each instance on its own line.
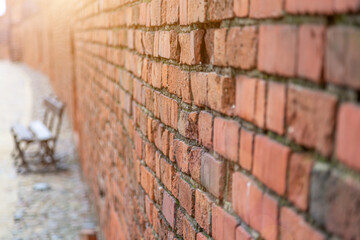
column 169, row 111
column 257, row 209
column 277, row 49
column 186, row 196
column 309, row 6
column 311, row 52
column 138, row 145
column 147, row 182
column 182, row 155
column 294, row 227
column 221, row 93
column 226, row 138
column 190, row 47
column 347, row 136
column 245, row 97
column 150, row 156
column 242, row 234
column 163, row 12
column 197, row 11
column 195, row 163
column 241, row 8
column 268, row 9
column 212, row 175
column 220, row 47
column 201, row 236
column 167, row 173
column 220, row 9
column 156, row 74
column 299, row 180
column 241, row 47
column 156, row 44
column 246, row 149
column 205, row 129
column 311, row 118
column 202, row 210
column 342, row 57
column 223, row 224
column 209, row 46
column 199, row 86
column 346, row 5
column 168, row 209
column 271, row 159
column 168, row 43
column 183, row 11
column 172, row 11
column 149, row 209
column 189, row 231
column 155, row 12
column 275, row 110
column 188, row 124
column 179, row 83
column 180, row 217
column 260, row 107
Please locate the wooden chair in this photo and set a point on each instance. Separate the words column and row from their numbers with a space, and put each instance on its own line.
column 43, row 133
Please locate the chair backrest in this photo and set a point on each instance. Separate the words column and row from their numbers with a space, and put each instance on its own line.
column 54, row 110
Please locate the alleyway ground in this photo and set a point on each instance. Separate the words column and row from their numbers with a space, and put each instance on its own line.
column 55, row 214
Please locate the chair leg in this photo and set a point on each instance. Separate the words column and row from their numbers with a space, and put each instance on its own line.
column 21, row 154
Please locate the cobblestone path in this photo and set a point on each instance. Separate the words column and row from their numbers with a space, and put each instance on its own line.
column 57, row 213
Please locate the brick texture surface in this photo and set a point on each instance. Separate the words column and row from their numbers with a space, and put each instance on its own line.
column 206, row 119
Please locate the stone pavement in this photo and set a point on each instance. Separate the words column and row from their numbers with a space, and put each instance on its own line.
column 58, row 212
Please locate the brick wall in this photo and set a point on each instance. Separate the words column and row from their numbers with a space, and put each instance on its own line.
column 230, row 119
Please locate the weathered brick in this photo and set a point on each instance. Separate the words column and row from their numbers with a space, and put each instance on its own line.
column 220, row 9
column 168, row 209
column 277, row 49
column 241, row 47
column 299, row 180
column 271, row 159
column 147, row 182
column 311, row 52
column 275, row 110
column 205, row 127
column 188, row 124
column 155, row 7
column 189, row 232
column 260, row 104
column 169, row 111
column 150, row 156
column 342, row 6
column 182, row 154
column 156, row 74
column 220, row 47
column 167, row 173
column 294, row 227
column 311, row 118
column 197, row 11
column 168, row 43
column 195, row 163
column 268, row 9
column 226, row 138
column 221, row 93
column 172, row 11
column 179, row 83
column 246, row 149
column 190, row 47
column 186, row 196
column 342, row 56
column 212, row 175
column 202, row 210
column 183, row 11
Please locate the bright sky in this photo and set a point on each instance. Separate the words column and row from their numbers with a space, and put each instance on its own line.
column 2, row 7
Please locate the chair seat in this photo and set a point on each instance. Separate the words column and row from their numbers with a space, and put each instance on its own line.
column 22, row 133
column 40, row 131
